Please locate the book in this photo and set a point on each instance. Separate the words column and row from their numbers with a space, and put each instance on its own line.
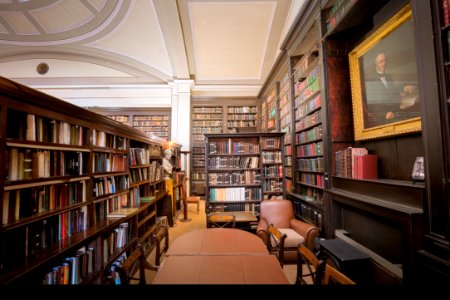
column 366, row 166
column 147, row 199
column 122, row 212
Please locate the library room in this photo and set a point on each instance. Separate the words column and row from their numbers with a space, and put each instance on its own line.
column 185, row 142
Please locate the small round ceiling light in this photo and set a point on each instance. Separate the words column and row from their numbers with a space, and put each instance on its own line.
column 42, row 68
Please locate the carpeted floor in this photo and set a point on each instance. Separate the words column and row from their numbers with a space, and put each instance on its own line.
column 198, row 221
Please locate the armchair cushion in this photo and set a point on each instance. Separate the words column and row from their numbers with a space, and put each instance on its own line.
column 293, row 239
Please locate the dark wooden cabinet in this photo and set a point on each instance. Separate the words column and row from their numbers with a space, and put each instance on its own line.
column 66, row 173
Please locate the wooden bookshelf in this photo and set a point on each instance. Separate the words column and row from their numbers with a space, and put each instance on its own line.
column 242, row 170
column 241, row 118
column 205, row 119
column 151, row 121
column 65, row 172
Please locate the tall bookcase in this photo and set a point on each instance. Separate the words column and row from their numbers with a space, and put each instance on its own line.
column 79, row 190
column 308, row 115
column 205, row 119
column 217, row 116
column 148, row 120
column 242, row 170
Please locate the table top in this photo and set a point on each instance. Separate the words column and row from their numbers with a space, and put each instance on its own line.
column 220, row 269
column 217, row 241
column 241, row 216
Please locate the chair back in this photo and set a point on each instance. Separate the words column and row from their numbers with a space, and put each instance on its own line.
column 333, row 276
column 315, row 266
column 221, row 221
column 136, row 259
column 277, row 212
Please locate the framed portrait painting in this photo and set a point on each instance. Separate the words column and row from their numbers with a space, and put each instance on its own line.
column 383, row 74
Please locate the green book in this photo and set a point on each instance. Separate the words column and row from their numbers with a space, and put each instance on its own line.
column 147, row 199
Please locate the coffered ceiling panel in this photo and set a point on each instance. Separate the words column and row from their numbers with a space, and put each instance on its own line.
column 230, row 38
column 226, row 46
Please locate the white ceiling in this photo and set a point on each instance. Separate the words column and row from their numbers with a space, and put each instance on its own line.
column 226, row 47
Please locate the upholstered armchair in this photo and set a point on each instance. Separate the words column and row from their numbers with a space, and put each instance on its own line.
column 289, row 231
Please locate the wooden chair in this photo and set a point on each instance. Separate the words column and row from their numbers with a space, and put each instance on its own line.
column 127, row 270
column 195, row 200
column 221, row 221
column 162, row 233
column 333, row 276
column 280, row 214
column 315, row 266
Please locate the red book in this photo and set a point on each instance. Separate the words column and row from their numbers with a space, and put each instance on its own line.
column 367, row 166
column 446, row 12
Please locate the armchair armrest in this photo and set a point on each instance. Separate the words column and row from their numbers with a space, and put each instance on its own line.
column 308, row 231
column 261, row 230
column 276, row 242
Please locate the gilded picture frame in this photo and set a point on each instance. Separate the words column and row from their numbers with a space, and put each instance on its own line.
column 383, row 78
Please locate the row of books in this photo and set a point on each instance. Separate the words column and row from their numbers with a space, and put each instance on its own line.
column 198, row 116
column 73, row 269
column 306, row 212
column 229, row 207
column 242, row 117
column 356, row 162
column 139, row 156
column 108, row 162
column 272, row 157
column 209, row 129
column 207, row 110
column 220, row 162
column 215, row 123
column 313, row 149
column 311, row 165
column 106, row 140
column 117, row 239
column 273, row 171
column 138, row 174
column 309, row 106
column 32, row 127
column 310, row 193
column 309, row 136
column 305, row 88
column 312, row 179
column 270, row 143
column 110, row 185
column 309, row 121
column 23, row 203
column 245, row 177
column 116, row 203
column 273, row 185
column 239, row 124
column 242, row 109
column 25, row 164
column 156, row 171
column 235, row 194
column 228, row 146
column 150, row 123
column 336, row 12
column 150, row 117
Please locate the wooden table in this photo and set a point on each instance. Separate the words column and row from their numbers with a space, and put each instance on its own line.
column 219, row 256
column 217, row 241
column 220, row 269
